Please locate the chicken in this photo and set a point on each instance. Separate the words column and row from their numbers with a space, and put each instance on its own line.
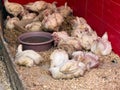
column 55, row 71
column 91, row 60
column 70, row 69
column 62, row 67
column 34, row 26
column 84, row 33
column 13, row 8
column 102, row 46
column 71, row 41
column 53, row 21
column 43, row 14
column 51, row 8
column 27, row 57
column 75, row 68
column 79, row 23
column 58, row 57
column 65, row 10
column 28, row 16
column 63, row 38
column 68, row 48
column 36, row 6
column 10, row 22
column 88, row 58
column 87, row 38
column 57, row 36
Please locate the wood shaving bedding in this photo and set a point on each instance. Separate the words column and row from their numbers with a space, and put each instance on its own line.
column 105, row 77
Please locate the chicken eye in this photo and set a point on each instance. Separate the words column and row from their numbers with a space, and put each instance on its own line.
column 86, row 29
column 114, row 61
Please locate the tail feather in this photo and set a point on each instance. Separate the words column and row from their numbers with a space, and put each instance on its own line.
column 19, row 49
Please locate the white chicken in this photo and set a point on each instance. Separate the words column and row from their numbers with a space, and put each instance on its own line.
column 74, row 68
column 51, row 8
column 13, row 8
column 62, row 67
column 65, row 10
column 53, row 21
column 68, row 70
column 86, row 38
column 36, row 6
column 34, row 26
column 102, row 46
column 88, row 58
column 55, row 71
column 63, row 38
column 91, row 60
column 10, row 22
column 57, row 36
column 71, row 41
column 27, row 57
column 79, row 23
column 68, row 48
column 84, row 33
column 58, row 57
column 28, row 16
column 43, row 14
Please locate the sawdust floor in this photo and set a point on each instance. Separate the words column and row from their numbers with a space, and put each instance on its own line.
column 4, row 81
column 105, row 77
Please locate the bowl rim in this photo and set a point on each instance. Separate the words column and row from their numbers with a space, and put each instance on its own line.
column 28, row 33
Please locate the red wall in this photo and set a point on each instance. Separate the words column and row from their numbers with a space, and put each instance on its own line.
column 60, row 2
column 102, row 15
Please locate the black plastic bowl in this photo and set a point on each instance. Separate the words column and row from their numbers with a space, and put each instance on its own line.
column 38, row 41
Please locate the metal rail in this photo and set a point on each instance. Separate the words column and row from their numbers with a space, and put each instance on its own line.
column 16, row 83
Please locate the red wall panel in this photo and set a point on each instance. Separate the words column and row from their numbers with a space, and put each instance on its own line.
column 103, row 16
column 60, row 2
column 95, row 22
column 78, row 6
column 95, row 7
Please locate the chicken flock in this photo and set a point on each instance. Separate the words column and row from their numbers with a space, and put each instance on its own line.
column 47, row 15
column 75, row 54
